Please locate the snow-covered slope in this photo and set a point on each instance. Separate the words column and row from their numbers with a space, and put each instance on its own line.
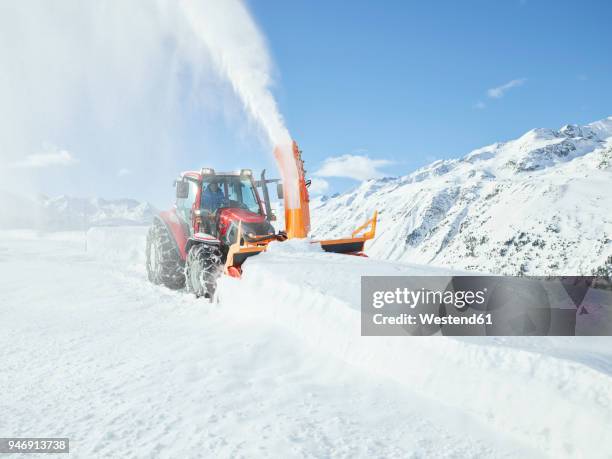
column 540, row 204
column 64, row 213
column 276, row 368
column 94, row 352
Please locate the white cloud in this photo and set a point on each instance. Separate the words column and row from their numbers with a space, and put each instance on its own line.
column 318, row 186
column 123, row 172
column 39, row 160
column 499, row 91
column 353, row 166
column 480, row 105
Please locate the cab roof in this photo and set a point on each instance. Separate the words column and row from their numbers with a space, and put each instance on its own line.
column 198, row 174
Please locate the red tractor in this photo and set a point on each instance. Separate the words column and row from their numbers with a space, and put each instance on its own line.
column 219, row 220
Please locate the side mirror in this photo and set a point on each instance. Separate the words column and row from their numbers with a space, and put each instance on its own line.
column 279, row 190
column 182, row 189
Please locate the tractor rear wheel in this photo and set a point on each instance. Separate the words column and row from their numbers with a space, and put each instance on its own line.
column 202, row 269
column 164, row 264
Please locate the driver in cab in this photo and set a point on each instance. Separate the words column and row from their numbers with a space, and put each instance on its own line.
column 212, row 197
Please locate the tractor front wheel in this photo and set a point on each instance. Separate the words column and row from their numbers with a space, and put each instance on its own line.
column 202, row 269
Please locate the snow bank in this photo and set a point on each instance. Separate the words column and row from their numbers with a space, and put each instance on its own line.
column 28, row 234
column 293, row 246
column 560, row 406
column 551, row 394
column 129, row 369
column 124, row 244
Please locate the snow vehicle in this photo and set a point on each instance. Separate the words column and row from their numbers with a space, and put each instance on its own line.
column 220, row 219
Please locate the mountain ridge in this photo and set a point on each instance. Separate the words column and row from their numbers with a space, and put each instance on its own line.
column 540, row 204
column 67, row 213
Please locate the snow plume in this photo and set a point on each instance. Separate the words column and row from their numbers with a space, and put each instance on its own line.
column 238, row 51
column 117, row 83
column 96, row 80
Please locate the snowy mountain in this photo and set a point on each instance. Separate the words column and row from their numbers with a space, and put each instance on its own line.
column 87, row 212
column 69, row 213
column 540, row 204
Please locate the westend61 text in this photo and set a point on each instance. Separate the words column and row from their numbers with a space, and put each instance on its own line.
column 432, row 319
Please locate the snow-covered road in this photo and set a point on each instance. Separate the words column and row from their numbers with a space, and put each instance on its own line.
column 91, row 351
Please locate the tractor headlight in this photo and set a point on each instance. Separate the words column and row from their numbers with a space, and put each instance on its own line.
column 207, row 171
column 246, row 172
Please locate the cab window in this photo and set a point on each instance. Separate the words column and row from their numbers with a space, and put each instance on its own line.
column 241, row 191
column 183, row 206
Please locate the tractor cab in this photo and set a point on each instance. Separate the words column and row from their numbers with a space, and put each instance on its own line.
column 229, row 191
column 216, row 203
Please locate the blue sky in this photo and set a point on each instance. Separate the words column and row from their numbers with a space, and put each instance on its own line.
column 403, row 80
column 402, row 83
column 409, row 82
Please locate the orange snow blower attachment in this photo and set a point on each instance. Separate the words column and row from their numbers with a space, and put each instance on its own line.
column 355, row 244
column 297, row 217
column 297, row 206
